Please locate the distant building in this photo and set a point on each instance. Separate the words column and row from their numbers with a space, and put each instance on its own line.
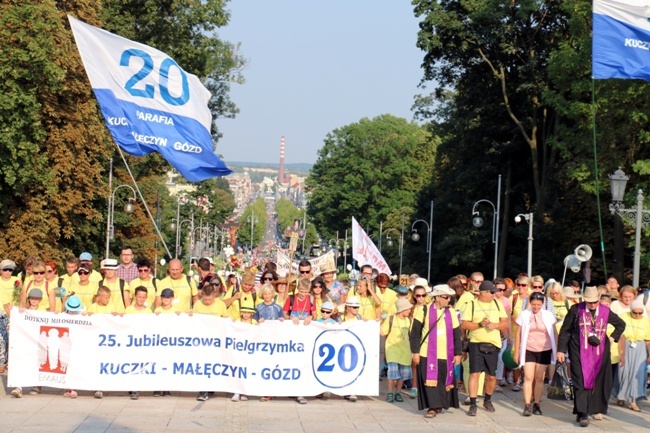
column 282, row 177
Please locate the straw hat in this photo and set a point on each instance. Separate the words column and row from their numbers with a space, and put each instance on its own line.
column 591, row 294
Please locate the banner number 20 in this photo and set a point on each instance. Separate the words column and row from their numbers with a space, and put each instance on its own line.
column 339, row 358
column 148, row 91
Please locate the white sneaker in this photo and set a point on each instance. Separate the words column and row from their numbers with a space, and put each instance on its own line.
column 99, row 394
column 17, row 392
column 235, row 397
column 35, row 391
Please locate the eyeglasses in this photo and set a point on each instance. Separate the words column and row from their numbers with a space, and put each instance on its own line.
column 522, row 285
column 305, row 272
column 420, row 296
column 7, row 270
column 325, row 312
column 83, row 272
column 143, row 270
column 38, row 273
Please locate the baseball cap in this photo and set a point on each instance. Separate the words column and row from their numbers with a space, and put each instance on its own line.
column 85, row 257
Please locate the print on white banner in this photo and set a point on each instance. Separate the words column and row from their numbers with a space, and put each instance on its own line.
column 192, row 353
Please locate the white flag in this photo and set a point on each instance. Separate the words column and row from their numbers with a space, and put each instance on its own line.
column 364, row 250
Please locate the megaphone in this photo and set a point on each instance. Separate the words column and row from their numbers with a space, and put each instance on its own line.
column 583, row 252
column 573, row 262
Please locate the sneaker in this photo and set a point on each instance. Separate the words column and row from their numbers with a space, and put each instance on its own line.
column 235, row 397
column 301, row 400
column 414, row 393
column 583, row 421
column 536, row 409
column 487, row 404
column 527, row 411
column 99, row 394
column 389, row 397
column 326, row 395
column 35, row 391
column 398, row 397
column 502, row 383
column 472, row 410
column 498, row 389
column 134, row 395
column 17, row 392
column 243, row 398
column 516, row 387
column 203, row 396
column 352, row 398
column 157, row 393
column 166, row 394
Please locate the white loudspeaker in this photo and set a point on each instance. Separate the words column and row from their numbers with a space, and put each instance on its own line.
column 583, row 252
column 572, row 262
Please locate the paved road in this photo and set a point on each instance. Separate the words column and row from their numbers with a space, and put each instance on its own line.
column 51, row 412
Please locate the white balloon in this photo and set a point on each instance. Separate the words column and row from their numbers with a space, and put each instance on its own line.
column 162, row 262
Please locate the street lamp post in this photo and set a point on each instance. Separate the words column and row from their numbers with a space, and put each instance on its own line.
column 175, row 225
column 416, row 237
column 389, row 243
column 640, row 215
column 529, row 220
column 128, row 208
column 478, row 222
column 252, row 219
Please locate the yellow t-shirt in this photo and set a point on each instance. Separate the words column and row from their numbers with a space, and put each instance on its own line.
column 613, row 350
column 132, row 310
column 464, row 299
column 183, row 291
column 218, row 308
column 44, row 288
column 441, row 330
column 151, row 290
column 246, row 300
column 388, row 299
column 560, row 313
column 161, row 310
column 494, row 311
column 102, row 309
column 636, row 330
column 7, row 286
column 345, row 318
column 368, row 310
column 398, row 347
column 4, row 300
column 116, row 293
column 85, row 293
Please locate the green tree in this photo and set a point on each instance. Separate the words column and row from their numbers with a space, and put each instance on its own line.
column 367, row 170
column 256, row 212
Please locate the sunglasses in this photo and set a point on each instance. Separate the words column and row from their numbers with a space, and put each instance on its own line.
column 49, row 271
column 83, row 272
column 477, row 281
column 325, row 312
column 444, row 296
column 7, row 270
column 143, row 270
column 420, row 296
column 38, row 273
column 305, row 272
column 352, row 306
column 267, row 279
column 538, row 287
column 522, row 285
column 318, row 286
column 640, row 313
column 501, row 290
column 537, row 298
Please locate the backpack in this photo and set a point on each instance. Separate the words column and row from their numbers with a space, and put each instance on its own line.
column 311, row 302
column 390, row 324
column 101, row 283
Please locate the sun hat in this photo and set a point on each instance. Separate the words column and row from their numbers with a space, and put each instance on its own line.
column 402, row 304
column 73, row 303
column 35, row 293
column 353, row 301
column 591, row 294
column 442, row 290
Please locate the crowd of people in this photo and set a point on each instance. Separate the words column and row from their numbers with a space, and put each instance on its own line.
column 468, row 334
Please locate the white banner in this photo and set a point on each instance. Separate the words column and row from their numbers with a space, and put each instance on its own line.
column 364, row 250
column 285, row 265
column 192, row 353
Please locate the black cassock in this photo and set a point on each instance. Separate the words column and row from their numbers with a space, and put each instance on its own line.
column 585, row 401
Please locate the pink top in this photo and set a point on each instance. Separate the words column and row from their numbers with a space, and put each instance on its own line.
column 538, row 338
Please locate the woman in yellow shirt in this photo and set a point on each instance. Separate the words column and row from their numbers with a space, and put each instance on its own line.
column 368, row 300
column 634, row 347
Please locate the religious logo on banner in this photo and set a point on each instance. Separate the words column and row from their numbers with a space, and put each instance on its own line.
column 149, row 102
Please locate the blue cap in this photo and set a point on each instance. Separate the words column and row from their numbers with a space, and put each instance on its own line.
column 85, row 256
column 401, row 290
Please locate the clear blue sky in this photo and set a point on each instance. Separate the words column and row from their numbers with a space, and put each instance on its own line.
column 315, row 66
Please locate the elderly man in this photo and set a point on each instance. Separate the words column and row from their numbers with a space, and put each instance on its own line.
column 184, row 288
column 484, row 318
column 583, row 333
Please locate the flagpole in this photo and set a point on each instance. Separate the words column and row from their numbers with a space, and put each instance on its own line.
column 600, row 220
column 137, row 188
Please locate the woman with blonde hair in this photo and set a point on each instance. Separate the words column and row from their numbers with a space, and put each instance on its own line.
column 38, row 281
column 368, row 300
column 522, row 285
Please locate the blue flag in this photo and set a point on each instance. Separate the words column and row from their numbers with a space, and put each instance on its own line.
column 621, row 39
column 150, row 104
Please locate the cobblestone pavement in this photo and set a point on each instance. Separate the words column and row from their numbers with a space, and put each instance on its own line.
column 51, row 412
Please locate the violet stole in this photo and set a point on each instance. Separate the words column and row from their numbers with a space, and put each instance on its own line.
column 591, row 357
column 432, row 350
